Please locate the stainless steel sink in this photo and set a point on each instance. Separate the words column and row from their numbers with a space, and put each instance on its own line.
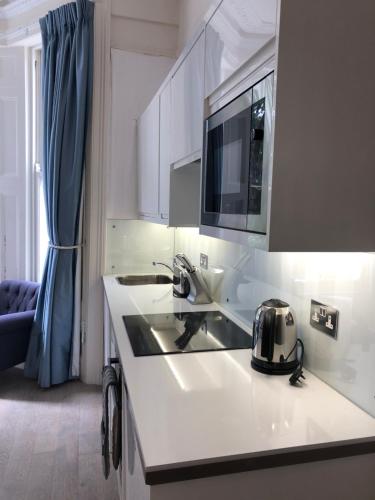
column 146, row 279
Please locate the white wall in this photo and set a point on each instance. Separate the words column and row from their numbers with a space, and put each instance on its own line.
column 14, row 246
column 20, row 20
column 241, row 278
column 191, row 13
column 3, row 26
column 160, row 27
column 145, row 27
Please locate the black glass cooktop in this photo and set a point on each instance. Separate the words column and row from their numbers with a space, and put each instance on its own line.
column 175, row 333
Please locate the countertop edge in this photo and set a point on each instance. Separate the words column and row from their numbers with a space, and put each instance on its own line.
column 268, row 460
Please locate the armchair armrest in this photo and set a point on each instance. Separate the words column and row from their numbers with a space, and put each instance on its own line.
column 16, row 322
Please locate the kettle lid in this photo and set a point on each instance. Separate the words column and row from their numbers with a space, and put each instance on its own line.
column 277, row 303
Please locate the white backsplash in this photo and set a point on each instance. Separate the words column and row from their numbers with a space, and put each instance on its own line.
column 240, row 279
column 132, row 246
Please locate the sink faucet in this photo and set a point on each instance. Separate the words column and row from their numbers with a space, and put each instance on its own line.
column 187, row 280
column 198, row 292
column 162, row 264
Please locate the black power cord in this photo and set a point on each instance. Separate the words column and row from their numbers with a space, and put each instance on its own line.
column 297, row 375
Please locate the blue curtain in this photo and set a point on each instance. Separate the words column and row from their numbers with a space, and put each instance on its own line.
column 67, row 35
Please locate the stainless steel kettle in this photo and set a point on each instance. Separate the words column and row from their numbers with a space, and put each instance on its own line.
column 275, row 338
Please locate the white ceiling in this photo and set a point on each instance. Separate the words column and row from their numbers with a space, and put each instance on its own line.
column 13, row 26
column 13, row 8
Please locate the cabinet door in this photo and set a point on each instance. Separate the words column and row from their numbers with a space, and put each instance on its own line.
column 237, row 30
column 187, row 105
column 165, row 152
column 148, row 160
column 135, row 80
column 134, row 486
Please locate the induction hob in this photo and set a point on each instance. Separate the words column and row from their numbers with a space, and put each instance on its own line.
column 175, row 333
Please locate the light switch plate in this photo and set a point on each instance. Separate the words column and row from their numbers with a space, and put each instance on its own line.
column 324, row 318
column 204, row 261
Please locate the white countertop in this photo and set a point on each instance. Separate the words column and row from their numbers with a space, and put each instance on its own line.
column 211, row 406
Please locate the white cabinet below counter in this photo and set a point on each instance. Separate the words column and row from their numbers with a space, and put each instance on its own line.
column 187, row 106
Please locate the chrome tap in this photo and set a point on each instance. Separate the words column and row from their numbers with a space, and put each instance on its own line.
column 181, row 287
column 162, row 264
column 198, row 292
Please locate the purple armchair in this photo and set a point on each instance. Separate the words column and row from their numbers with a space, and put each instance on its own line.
column 17, row 308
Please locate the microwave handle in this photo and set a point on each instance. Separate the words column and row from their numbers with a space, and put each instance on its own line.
column 256, row 134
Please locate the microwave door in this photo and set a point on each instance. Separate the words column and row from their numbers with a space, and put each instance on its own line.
column 260, row 155
column 226, row 166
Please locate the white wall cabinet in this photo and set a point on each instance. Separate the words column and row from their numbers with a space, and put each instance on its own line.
column 165, row 195
column 321, row 177
column 187, row 106
column 322, row 194
column 148, row 160
column 235, row 33
column 165, row 152
column 135, row 80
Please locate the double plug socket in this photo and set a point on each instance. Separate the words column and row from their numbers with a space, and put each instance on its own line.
column 324, row 318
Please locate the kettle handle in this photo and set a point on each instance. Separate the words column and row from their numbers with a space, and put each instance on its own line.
column 255, row 328
column 268, row 333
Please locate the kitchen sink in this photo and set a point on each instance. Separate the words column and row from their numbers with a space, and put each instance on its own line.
column 146, row 279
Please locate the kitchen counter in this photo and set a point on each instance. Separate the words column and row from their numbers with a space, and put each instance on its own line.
column 210, row 413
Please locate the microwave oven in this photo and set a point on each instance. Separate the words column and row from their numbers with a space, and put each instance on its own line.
column 236, row 161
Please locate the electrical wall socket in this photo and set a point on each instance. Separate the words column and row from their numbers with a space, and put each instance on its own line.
column 204, row 261
column 324, row 318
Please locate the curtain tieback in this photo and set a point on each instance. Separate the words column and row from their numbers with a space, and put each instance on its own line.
column 59, row 247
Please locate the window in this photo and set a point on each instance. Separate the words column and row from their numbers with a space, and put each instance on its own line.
column 39, row 220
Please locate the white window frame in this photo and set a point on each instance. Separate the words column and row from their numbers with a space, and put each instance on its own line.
column 34, row 177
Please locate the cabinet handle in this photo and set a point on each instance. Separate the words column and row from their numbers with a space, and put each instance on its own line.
column 164, row 216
